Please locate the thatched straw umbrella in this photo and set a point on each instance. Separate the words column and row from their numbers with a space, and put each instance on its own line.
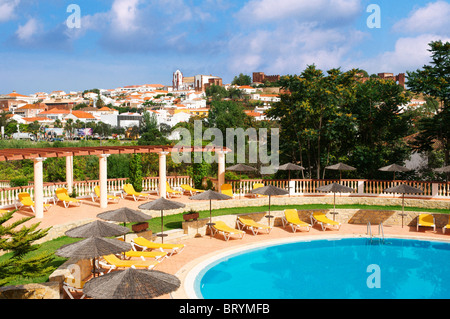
column 131, row 284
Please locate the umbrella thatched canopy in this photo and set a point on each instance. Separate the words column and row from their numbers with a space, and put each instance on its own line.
column 290, row 167
column 97, row 228
column 394, row 168
column 341, row 167
column 93, row 247
column 403, row 189
column 445, row 169
column 210, row 195
column 162, row 204
column 335, row 188
column 241, row 168
column 124, row 215
column 269, row 190
column 131, row 284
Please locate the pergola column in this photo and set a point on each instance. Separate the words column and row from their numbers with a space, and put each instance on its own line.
column 162, row 174
column 38, row 187
column 221, row 169
column 102, row 161
column 69, row 173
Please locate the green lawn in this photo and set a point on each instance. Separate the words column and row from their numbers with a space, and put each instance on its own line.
column 175, row 221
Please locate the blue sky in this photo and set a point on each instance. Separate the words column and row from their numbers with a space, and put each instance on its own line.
column 126, row 42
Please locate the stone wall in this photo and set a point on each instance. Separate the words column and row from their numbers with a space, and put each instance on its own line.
column 344, row 216
column 246, row 202
column 48, row 290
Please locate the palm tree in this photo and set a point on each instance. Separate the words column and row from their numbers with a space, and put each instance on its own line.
column 69, row 127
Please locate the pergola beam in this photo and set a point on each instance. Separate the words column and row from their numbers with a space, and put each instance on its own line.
column 38, row 155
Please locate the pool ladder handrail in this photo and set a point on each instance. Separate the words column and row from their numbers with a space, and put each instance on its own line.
column 380, row 232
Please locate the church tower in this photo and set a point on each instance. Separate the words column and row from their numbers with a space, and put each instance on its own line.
column 177, row 81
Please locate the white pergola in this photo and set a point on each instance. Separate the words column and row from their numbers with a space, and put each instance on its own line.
column 38, row 155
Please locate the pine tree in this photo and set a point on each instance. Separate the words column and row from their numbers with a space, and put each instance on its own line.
column 19, row 242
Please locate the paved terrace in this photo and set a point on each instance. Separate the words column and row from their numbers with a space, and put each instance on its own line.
column 198, row 249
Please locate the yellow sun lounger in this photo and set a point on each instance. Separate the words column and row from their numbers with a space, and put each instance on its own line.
column 130, row 191
column 227, row 189
column 144, row 244
column 190, row 189
column 291, row 218
column 247, row 222
column 324, row 221
column 158, row 255
column 426, row 220
column 170, row 192
column 226, row 231
column 96, row 193
column 25, row 200
column 112, row 262
column 63, row 196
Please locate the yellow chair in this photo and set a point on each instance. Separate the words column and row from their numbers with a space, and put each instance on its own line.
column 227, row 189
column 62, row 195
column 96, row 194
column 247, row 222
column 158, row 255
column 112, row 262
column 324, row 221
column 192, row 191
column 25, row 200
column 291, row 218
column 130, row 191
column 226, row 231
column 170, row 192
column 426, row 220
column 144, row 244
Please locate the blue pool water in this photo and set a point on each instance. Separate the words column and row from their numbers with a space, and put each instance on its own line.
column 404, row 269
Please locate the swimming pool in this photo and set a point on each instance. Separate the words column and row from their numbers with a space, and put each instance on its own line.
column 348, row 268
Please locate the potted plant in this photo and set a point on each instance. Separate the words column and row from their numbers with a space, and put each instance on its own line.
column 192, row 214
column 138, row 227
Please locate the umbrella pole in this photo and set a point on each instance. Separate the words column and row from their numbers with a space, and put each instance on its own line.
column 403, row 207
column 289, row 183
column 210, row 221
column 334, row 205
column 162, row 235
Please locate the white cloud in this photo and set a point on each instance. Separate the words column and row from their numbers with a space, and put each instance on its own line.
column 320, row 11
column 289, row 49
column 7, row 8
column 27, row 31
column 433, row 18
column 124, row 14
column 410, row 53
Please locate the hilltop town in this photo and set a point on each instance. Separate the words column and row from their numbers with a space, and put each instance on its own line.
column 123, row 107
